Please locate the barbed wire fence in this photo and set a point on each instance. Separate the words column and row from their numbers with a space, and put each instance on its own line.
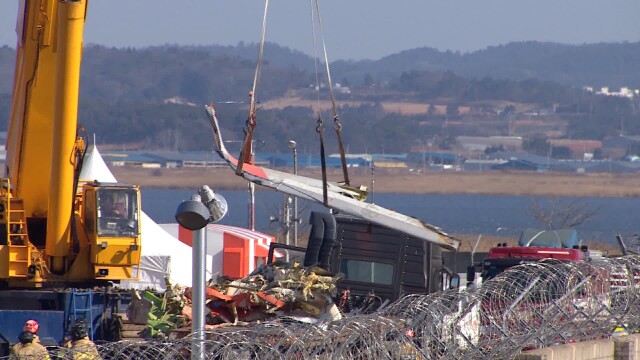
column 529, row 306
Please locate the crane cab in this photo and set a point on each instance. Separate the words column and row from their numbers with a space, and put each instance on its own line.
column 103, row 238
column 110, row 216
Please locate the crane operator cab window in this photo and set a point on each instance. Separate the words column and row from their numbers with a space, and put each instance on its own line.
column 117, row 212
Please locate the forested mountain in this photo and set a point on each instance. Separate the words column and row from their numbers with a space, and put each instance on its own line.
column 604, row 64
column 158, row 73
column 153, row 96
column 607, row 64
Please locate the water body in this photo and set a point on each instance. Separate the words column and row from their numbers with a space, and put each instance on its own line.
column 462, row 214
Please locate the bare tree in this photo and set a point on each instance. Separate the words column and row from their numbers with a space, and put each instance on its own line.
column 560, row 213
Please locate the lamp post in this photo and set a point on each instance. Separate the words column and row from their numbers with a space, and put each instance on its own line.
column 194, row 215
column 292, row 146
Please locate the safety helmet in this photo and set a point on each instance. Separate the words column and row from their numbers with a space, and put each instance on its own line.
column 25, row 337
column 79, row 330
column 31, row 326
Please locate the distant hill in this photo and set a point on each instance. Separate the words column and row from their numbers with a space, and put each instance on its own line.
column 603, row 64
column 274, row 54
column 606, row 64
column 153, row 96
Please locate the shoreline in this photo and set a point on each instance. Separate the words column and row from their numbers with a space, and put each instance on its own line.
column 402, row 181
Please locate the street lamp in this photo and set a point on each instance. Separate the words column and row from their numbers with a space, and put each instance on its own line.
column 292, row 146
column 204, row 207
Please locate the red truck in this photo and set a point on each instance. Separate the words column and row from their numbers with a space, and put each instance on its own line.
column 533, row 245
column 501, row 257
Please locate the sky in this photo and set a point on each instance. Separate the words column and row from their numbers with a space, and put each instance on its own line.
column 353, row 29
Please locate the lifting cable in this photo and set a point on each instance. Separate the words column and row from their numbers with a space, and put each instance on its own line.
column 246, row 151
column 319, row 126
column 320, row 131
column 336, row 118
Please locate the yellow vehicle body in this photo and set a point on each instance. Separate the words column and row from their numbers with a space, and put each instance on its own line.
column 46, row 233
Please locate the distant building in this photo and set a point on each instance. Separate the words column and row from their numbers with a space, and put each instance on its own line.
column 619, row 146
column 309, row 160
column 477, row 143
column 577, row 147
column 519, row 165
column 390, row 164
column 433, row 157
column 623, row 92
column 342, row 89
column 177, row 100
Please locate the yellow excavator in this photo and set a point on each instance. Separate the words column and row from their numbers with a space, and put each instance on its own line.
column 56, row 229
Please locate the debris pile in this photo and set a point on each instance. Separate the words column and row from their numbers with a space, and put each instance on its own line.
column 277, row 290
column 280, row 290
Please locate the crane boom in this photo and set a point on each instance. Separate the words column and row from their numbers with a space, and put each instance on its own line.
column 344, row 199
column 52, row 228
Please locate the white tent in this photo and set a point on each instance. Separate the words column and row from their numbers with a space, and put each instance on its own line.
column 94, row 167
column 163, row 255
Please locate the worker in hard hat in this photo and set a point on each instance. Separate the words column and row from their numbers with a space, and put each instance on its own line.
column 32, row 326
column 81, row 346
column 27, row 348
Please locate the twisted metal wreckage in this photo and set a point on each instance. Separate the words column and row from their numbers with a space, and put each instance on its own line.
column 528, row 306
column 339, row 197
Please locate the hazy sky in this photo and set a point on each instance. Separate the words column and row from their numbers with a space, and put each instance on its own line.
column 354, row 29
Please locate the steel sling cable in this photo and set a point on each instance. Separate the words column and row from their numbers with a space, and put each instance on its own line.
column 320, row 130
column 315, row 55
column 319, row 127
column 336, row 119
column 246, row 151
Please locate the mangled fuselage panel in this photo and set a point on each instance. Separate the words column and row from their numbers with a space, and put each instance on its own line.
column 343, row 199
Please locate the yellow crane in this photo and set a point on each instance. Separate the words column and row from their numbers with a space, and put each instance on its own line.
column 53, row 228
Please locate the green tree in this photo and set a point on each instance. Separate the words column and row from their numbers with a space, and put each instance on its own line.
column 368, row 80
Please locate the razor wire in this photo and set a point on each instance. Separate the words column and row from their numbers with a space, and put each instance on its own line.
column 529, row 306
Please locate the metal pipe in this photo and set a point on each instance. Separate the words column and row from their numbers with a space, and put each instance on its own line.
column 252, row 206
column 199, row 253
column 295, row 200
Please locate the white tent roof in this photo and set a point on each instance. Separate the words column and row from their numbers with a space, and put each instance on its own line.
column 94, row 167
column 162, row 254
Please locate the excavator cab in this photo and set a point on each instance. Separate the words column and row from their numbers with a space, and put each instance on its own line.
column 111, row 218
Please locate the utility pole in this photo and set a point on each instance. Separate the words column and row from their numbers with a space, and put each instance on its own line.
column 293, row 146
column 252, row 195
column 287, row 219
column 373, row 181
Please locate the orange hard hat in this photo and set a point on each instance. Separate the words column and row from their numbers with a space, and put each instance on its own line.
column 31, row 326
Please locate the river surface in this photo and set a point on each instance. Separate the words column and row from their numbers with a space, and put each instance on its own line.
column 489, row 215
